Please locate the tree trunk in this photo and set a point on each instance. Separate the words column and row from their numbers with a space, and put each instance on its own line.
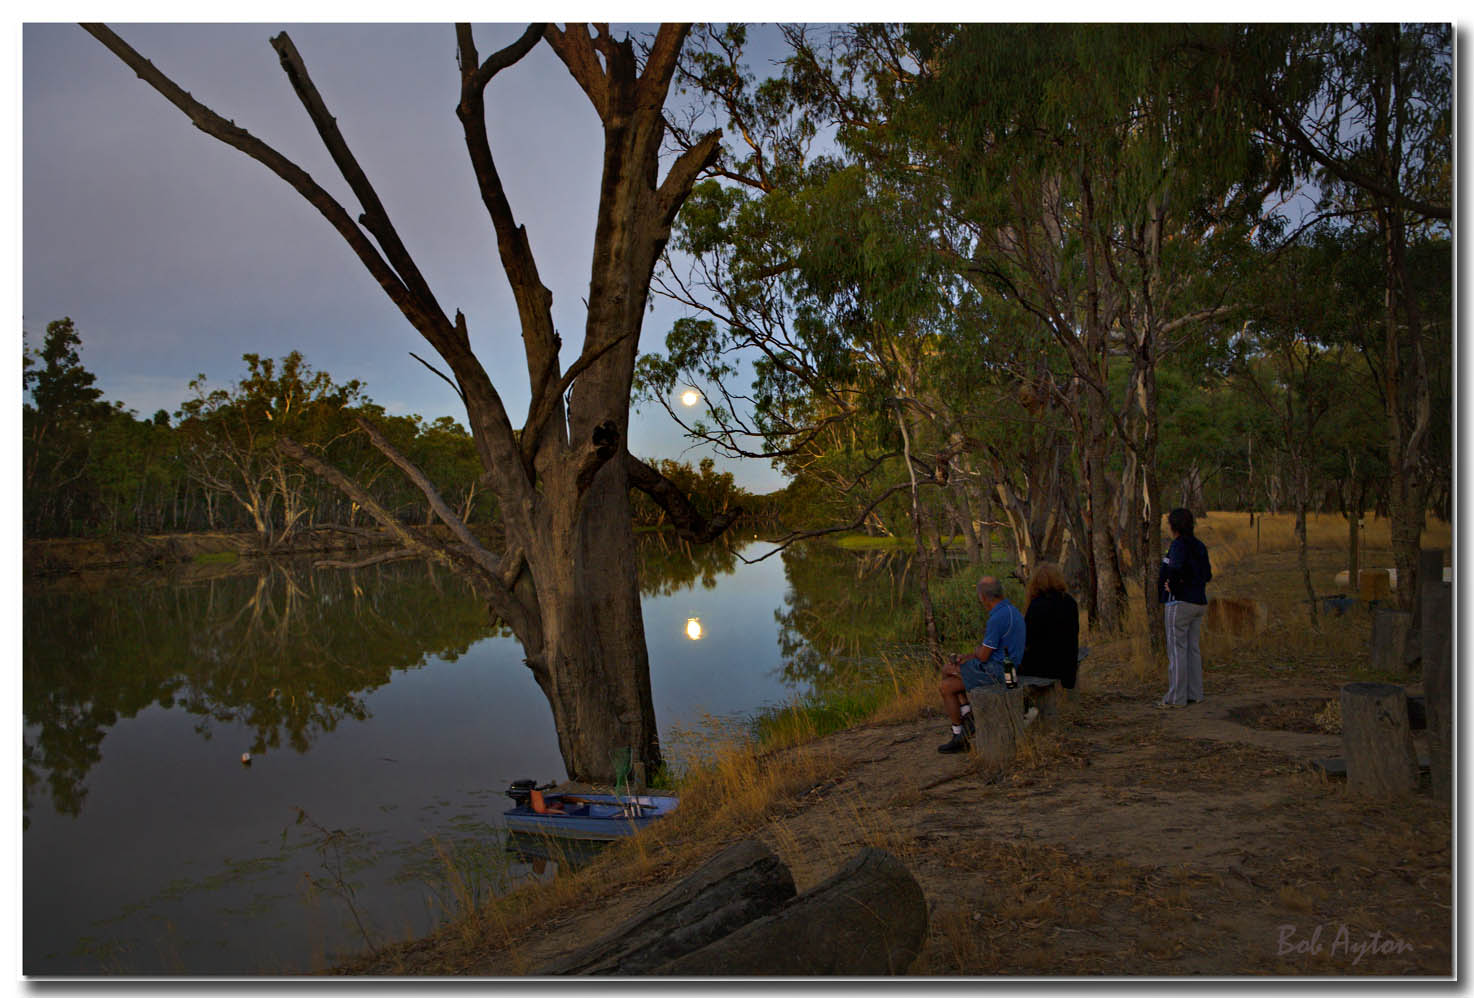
column 933, row 640
column 1303, row 548
column 1110, row 590
column 595, row 670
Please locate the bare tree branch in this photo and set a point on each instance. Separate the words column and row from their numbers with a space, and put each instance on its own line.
column 492, row 429
column 465, row 561
column 690, row 524
column 800, row 535
column 574, row 46
column 534, row 301
column 375, row 218
column 483, row 557
column 232, row 135
column 440, row 374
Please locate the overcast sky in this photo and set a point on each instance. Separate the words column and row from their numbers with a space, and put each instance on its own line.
column 175, row 254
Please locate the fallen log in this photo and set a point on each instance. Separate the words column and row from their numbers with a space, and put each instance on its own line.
column 868, row 919
column 741, row 883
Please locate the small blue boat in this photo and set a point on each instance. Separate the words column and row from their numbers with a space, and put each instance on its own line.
column 584, row 817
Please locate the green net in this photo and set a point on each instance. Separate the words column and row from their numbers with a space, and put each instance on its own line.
column 621, row 760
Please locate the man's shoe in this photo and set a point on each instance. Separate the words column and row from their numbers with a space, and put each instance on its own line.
column 969, row 726
column 958, row 743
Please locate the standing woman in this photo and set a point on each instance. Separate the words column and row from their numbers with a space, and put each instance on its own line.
column 1182, row 584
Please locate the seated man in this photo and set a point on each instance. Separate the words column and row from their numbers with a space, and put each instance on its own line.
column 1003, row 644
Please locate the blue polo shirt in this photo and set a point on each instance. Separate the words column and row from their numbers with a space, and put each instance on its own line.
column 1005, row 632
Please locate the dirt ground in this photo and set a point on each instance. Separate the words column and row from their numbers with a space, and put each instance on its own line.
column 1128, row 840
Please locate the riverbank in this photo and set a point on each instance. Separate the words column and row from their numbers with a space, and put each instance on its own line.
column 1125, row 840
column 42, row 558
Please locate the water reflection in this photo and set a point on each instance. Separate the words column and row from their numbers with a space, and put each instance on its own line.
column 846, row 616
column 286, row 650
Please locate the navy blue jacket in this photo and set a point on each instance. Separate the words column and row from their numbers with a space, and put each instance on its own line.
column 1185, row 572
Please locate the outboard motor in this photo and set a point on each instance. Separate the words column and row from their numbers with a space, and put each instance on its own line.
column 521, row 791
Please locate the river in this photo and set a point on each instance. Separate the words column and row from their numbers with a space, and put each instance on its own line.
column 384, row 716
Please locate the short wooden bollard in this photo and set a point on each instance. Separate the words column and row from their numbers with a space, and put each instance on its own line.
column 1377, row 740
column 1391, row 630
column 998, row 713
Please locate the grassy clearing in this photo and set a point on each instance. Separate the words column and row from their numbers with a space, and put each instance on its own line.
column 1049, row 911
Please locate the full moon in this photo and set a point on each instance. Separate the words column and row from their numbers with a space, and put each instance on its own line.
column 690, row 396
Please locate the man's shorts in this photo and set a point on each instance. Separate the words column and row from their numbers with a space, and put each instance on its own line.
column 975, row 673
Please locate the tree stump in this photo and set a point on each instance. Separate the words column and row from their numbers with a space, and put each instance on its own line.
column 998, row 713
column 1377, row 740
column 1437, row 623
column 1390, row 646
column 743, row 882
column 866, row 920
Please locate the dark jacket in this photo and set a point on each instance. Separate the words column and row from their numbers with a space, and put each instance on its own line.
column 1052, row 638
column 1185, row 572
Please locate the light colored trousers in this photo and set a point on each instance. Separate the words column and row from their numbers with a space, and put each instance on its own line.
column 1184, row 660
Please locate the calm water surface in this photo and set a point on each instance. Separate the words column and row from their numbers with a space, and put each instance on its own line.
column 384, row 715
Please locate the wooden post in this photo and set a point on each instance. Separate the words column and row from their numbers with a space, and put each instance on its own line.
column 998, row 713
column 1390, row 645
column 1377, row 740
column 1436, row 599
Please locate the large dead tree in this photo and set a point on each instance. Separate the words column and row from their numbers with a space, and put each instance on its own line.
column 565, row 582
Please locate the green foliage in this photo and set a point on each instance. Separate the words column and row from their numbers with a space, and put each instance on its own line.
column 62, row 426
column 91, row 468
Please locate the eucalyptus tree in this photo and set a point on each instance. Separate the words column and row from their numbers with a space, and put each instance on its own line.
column 1366, row 111
column 1076, row 173
column 230, row 436
column 565, row 580
column 800, row 256
column 1293, row 357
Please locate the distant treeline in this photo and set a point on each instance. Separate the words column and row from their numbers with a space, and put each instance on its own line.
column 97, row 469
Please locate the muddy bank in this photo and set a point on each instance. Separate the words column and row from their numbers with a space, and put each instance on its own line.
column 74, row 555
